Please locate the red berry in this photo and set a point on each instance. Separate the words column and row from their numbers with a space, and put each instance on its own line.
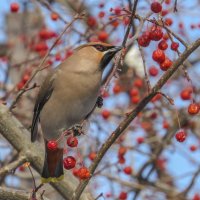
column 138, row 83
column 156, row 7
column 69, row 162
column 58, row 57
column 161, row 163
column 134, row 92
column 14, row 7
column 196, row 197
column 164, row 12
column 68, row 53
column 91, row 21
column 166, row 64
column 123, row 196
column 105, row 114
column 72, row 141
column 103, row 36
column 165, row 124
column 126, row 21
column 167, row 1
column 101, row 5
column 153, row 71
column 52, row 145
column 21, row 168
column 174, row 46
column 117, row 10
column 166, row 36
column 193, row 109
column 168, row 22
column 146, row 125
column 54, row 16
column 140, row 140
column 49, row 62
column 121, row 160
column 115, row 23
column 101, row 14
column 135, row 99
column 92, row 156
column 75, row 172
column 181, row 25
column 180, row 136
column 105, row 94
column 153, row 115
column 83, row 173
column 20, row 85
column 158, row 55
column 156, row 97
column 25, row 78
column 193, row 148
column 162, row 45
column 186, row 94
column 127, row 170
column 122, row 150
column 155, row 33
column 144, row 40
column 116, row 89
column 41, row 46
column 46, row 34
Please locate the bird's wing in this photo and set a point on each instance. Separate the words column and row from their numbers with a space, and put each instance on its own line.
column 43, row 96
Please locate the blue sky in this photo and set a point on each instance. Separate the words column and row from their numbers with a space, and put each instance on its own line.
column 178, row 164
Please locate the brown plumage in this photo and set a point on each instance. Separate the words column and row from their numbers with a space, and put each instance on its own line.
column 67, row 96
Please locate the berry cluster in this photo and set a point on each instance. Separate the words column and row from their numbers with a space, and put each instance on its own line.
column 24, row 79
column 155, row 33
column 70, row 162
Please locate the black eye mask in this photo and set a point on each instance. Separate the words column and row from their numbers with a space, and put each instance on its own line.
column 102, row 48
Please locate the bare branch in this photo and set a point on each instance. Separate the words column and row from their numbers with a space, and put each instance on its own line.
column 12, row 166
column 124, row 124
column 19, row 137
column 11, row 194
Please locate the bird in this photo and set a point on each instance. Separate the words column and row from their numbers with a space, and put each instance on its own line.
column 66, row 97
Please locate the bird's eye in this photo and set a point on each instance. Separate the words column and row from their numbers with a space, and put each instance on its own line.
column 100, row 47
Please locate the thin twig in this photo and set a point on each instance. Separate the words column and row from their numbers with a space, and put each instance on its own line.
column 130, row 23
column 122, row 54
column 12, row 166
column 175, row 6
column 145, row 69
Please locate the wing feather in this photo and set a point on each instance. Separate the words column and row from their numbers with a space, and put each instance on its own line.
column 43, row 96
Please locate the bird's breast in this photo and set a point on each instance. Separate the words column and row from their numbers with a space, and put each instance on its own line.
column 70, row 104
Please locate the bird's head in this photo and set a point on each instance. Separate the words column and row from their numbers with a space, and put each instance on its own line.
column 98, row 52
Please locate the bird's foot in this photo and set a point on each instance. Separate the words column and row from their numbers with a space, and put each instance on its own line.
column 99, row 102
column 77, row 129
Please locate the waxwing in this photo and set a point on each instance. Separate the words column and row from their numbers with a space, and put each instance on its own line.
column 66, row 97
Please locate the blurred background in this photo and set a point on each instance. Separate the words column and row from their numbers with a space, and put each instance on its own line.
column 149, row 160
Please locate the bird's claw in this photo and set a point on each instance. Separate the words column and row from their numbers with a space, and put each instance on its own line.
column 99, row 102
column 77, row 130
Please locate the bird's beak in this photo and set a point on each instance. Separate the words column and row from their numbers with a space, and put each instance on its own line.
column 109, row 54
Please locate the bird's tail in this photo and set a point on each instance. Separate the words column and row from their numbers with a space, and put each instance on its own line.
column 53, row 165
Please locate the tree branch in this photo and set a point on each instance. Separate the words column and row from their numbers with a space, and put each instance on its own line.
column 13, row 165
column 19, row 137
column 11, row 194
column 125, row 123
